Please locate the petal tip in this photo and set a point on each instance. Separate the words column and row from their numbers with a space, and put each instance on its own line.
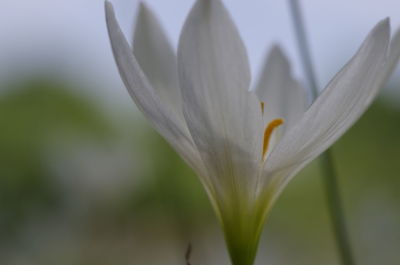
column 277, row 55
column 386, row 20
column 207, row 5
column 142, row 13
column 275, row 47
column 145, row 15
column 143, row 7
column 205, row 1
column 276, row 50
column 109, row 9
column 108, row 5
column 382, row 27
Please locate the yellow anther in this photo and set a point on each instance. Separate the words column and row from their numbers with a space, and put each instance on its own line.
column 268, row 133
column 262, row 107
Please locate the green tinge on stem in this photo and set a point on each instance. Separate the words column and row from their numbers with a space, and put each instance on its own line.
column 242, row 223
column 242, row 244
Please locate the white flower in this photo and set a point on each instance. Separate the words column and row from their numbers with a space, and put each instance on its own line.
column 244, row 146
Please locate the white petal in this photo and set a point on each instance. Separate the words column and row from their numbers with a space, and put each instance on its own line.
column 282, row 95
column 393, row 56
column 156, row 58
column 223, row 117
column 144, row 95
column 390, row 65
column 394, row 52
column 338, row 107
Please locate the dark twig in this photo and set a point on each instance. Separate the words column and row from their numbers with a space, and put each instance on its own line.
column 188, row 254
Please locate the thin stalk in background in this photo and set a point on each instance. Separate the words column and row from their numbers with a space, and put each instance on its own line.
column 328, row 169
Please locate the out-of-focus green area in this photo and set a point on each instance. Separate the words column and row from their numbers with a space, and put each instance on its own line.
column 33, row 116
column 80, row 188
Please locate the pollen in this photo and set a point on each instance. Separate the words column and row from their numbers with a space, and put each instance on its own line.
column 268, row 133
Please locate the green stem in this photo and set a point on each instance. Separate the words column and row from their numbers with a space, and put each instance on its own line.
column 328, row 169
column 336, row 208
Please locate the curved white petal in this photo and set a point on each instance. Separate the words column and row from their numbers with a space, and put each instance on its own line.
column 223, row 117
column 282, row 95
column 394, row 53
column 145, row 97
column 393, row 57
column 156, row 58
column 338, row 107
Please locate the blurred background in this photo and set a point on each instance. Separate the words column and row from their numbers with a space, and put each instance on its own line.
column 84, row 180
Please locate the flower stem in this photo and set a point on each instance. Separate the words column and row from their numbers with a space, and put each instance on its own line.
column 336, row 208
column 328, row 169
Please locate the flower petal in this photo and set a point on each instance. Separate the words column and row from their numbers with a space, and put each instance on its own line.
column 282, row 95
column 223, row 117
column 145, row 97
column 393, row 56
column 338, row 107
column 394, row 52
column 156, row 58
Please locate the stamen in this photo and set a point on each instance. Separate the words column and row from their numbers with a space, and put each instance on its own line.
column 262, row 107
column 268, row 133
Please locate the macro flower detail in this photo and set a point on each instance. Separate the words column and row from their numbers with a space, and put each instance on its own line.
column 245, row 145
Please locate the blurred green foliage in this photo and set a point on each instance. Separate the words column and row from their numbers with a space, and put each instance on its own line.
column 33, row 114
column 171, row 189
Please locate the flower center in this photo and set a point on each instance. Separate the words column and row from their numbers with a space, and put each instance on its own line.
column 268, row 133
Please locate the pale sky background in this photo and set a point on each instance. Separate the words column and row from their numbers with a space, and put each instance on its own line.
column 69, row 38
